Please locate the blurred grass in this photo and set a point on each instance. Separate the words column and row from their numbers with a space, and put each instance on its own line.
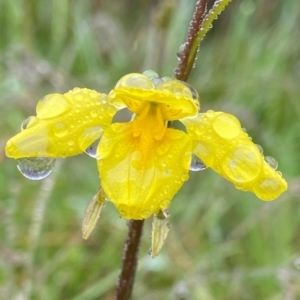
column 224, row 244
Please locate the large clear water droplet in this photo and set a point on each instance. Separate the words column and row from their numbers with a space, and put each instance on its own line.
column 272, row 162
column 197, row 164
column 92, row 149
column 36, row 168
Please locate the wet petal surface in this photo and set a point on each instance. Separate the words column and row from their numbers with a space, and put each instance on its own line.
column 64, row 125
column 222, row 145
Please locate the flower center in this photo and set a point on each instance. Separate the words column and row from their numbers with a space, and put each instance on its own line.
column 148, row 127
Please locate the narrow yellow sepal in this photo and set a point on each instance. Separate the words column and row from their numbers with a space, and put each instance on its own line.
column 222, row 145
column 160, row 230
column 92, row 213
column 65, row 125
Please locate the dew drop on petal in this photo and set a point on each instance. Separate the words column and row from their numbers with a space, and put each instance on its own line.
column 92, row 149
column 36, row 168
column 25, row 123
column 272, row 162
column 52, row 105
column 135, row 80
column 226, row 126
column 260, row 149
column 197, row 164
column 157, row 81
column 150, row 74
column 60, row 129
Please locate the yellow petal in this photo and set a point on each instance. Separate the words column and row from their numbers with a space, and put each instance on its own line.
column 222, row 145
column 140, row 181
column 64, row 125
column 176, row 98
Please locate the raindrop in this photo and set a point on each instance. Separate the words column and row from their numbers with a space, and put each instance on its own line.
column 29, row 122
column 194, row 93
column 150, row 74
column 197, row 164
column 260, row 148
column 156, row 81
column 60, row 129
column 166, row 78
column 92, row 149
column 180, row 51
column 36, row 168
column 272, row 162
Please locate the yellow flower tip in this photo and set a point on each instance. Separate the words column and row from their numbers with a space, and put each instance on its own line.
column 222, row 145
column 176, row 98
column 65, row 125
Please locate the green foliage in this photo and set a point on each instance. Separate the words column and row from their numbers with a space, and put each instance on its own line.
column 223, row 244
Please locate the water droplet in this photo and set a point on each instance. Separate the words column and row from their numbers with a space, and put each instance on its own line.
column 70, row 142
column 226, row 126
column 180, row 51
column 272, row 162
column 36, row 168
column 93, row 113
column 111, row 110
column 166, row 78
column 52, row 106
column 29, row 122
column 60, row 129
column 157, row 81
column 194, row 93
column 197, row 164
column 260, row 149
column 135, row 80
column 92, row 149
column 150, row 74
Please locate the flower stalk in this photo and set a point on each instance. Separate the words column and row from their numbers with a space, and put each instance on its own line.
column 130, row 258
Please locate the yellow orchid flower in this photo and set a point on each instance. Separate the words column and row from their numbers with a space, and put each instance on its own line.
column 142, row 163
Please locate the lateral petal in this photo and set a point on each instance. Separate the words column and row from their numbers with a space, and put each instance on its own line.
column 222, row 145
column 65, row 125
column 141, row 183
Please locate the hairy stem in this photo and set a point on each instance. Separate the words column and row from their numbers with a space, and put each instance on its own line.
column 130, row 257
column 186, row 58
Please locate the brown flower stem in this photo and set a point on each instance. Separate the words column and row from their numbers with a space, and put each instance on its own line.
column 187, row 58
column 130, row 257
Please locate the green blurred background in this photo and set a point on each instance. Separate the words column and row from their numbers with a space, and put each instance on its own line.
column 223, row 244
